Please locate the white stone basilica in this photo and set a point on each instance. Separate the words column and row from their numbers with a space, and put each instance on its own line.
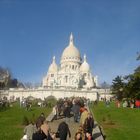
column 72, row 78
column 72, row 72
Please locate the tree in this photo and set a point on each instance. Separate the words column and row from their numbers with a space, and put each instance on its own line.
column 118, row 87
column 6, row 80
column 135, row 81
column 13, row 83
column 133, row 86
column 4, row 77
column 128, row 86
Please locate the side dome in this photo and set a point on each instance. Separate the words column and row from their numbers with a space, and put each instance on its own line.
column 71, row 53
column 84, row 66
column 53, row 67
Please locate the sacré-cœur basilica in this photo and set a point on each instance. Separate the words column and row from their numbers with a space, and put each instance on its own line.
column 72, row 78
column 72, row 73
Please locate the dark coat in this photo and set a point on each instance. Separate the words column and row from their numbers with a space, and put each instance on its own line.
column 63, row 131
column 88, row 125
column 67, row 111
column 41, row 136
column 76, row 109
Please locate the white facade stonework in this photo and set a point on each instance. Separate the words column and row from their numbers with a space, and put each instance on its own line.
column 44, row 93
column 94, row 94
column 72, row 72
column 73, row 78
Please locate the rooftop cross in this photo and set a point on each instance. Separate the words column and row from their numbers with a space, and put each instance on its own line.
column 53, row 59
column 71, row 38
column 85, row 58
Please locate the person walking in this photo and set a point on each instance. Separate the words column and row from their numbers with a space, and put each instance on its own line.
column 42, row 132
column 63, row 131
column 67, row 111
column 88, row 124
column 83, row 117
column 76, row 111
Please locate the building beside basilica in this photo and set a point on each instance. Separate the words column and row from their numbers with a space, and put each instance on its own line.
column 72, row 73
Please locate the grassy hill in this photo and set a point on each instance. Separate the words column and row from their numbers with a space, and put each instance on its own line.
column 118, row 123
column 11, row 120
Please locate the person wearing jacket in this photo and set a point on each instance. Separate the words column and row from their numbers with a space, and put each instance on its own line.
column 89, row 124
column 63, row 130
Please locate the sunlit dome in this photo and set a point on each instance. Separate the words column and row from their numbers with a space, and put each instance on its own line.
column 53, row 67
column 71, row 53
column 85, row 66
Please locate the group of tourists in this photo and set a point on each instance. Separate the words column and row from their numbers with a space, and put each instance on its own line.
column 65, row 109
column 128, row 103
column 26, row 104
column 4, row 102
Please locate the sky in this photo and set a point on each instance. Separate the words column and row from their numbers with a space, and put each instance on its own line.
column 33, row 31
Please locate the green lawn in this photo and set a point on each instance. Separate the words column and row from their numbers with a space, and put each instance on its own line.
column 11, row 120
column 118, row 123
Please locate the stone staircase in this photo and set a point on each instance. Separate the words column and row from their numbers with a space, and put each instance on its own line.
column 98, row 133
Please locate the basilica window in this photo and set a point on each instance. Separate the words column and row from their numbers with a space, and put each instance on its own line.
column 66, row 79
column 52, row 75
column 84, row 74
column 73, row 67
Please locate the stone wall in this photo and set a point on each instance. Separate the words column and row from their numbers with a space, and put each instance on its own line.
column 60, row 93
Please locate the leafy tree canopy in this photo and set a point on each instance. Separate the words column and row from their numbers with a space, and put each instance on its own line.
column 127, row 86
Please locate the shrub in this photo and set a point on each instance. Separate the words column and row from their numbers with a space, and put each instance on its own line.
column 50, row 101
column 25, row 120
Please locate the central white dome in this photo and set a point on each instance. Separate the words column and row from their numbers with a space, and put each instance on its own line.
column 71, row 53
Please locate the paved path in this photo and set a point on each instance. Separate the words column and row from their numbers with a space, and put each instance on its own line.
column 72, row 126
column 97, row 134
